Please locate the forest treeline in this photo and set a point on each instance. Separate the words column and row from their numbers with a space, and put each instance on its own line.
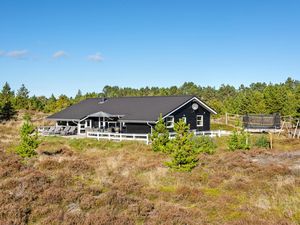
column 283, row 98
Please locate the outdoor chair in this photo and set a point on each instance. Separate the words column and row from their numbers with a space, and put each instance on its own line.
column 49, row 131
column 72, row 131
column 56, row 131
column 65, row 130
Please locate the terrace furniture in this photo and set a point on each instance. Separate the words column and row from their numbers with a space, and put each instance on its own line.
column 47, row 132
column 72, row 131
column 65, row 130
column 56, row 131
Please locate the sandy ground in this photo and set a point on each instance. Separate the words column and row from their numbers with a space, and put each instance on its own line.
column 289, row 159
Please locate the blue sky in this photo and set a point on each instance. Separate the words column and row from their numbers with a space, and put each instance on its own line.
column 60, row 46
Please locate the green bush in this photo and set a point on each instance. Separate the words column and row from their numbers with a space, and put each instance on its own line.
column 29, row 140
column 160, row 136
column 184, row 148
column 204, row 144
column 184, row 156
column 238, row 140
column 262, row 142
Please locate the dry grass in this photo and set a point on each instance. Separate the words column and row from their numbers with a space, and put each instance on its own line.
column 90, row 182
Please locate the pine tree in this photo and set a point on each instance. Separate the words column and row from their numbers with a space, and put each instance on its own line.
column 50, row 104
column 78, row 96
column 251, row 102
column 160, row 136
column 62, row 102
column 29, row 139
column 275, row 98
column 7, row 111
column 6, row 93
column 22, row 98
column 184, row 156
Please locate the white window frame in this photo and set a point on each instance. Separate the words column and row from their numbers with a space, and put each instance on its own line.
column 171, row 121
column 201, row 120
column 184, row 119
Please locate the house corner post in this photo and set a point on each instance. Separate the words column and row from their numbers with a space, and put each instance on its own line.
column 78, row 128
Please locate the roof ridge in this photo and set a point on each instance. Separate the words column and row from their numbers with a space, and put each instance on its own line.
column 152, row 96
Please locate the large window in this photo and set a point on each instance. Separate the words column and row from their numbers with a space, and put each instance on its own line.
column 199, row 120
column 170, row 121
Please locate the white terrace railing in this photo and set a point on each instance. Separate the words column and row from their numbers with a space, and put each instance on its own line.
column 118, row 136
column 213, row 133
column 210, row 133
column 41, row 129
column 145, row 137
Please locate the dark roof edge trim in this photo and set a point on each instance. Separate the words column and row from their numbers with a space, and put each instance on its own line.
column 193, row 98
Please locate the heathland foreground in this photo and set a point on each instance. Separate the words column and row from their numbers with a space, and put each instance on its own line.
column 99, row 182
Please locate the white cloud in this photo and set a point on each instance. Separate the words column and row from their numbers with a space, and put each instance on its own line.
column 95, row 57
column 59, row 54
column 17, row 54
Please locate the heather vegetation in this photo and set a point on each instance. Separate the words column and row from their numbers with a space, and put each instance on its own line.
column 85, row 181
column 283, row 98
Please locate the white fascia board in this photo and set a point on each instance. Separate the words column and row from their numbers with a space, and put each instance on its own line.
column 205, row 106
column 192, row 99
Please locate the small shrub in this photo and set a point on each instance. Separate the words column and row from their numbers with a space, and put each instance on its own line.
column 238, row 141
column 184, row 156
column 29, row 140
column 262, row 142
column 204, row 144
column 160, row 136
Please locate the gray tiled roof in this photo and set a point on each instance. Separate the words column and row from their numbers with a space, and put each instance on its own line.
column 132, row 108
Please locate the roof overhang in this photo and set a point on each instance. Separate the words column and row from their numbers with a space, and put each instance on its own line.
column 60, row 119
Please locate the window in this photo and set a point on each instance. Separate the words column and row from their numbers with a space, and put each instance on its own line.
column 170, row 121
column 199, row 120
column 184, row 119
